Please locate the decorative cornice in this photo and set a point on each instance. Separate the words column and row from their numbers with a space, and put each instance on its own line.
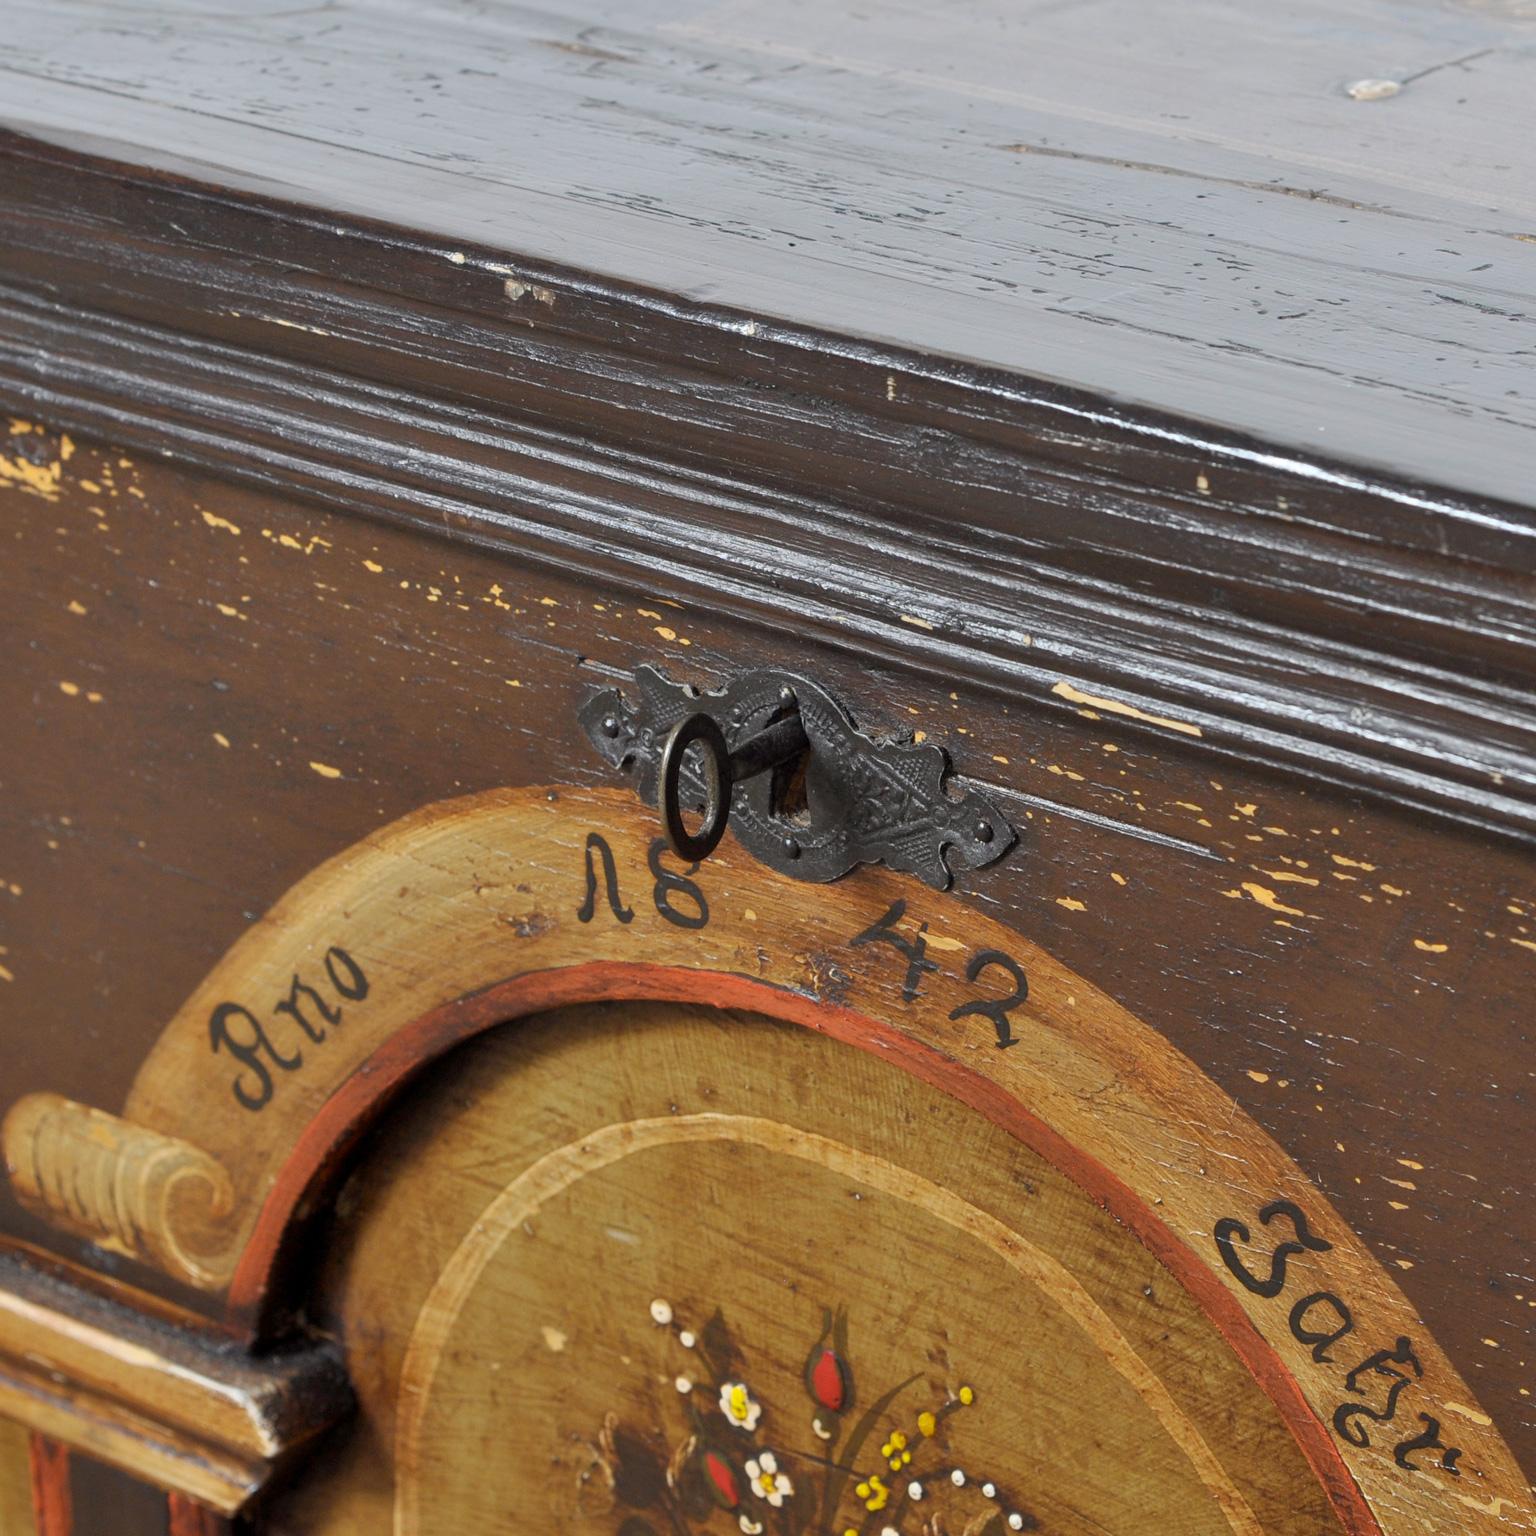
column 155, row 1394
column 1372, row 634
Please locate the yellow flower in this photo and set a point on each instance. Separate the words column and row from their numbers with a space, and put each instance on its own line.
column 967, row 1396
column 926, row 1423
column 874, row 1493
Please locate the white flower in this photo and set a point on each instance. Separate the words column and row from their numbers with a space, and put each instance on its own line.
column 661, row 1312
column 737, row 1404
column 749, row 1526
column 767, row 1481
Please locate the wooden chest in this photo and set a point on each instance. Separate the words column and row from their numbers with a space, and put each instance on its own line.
column 1047, row 487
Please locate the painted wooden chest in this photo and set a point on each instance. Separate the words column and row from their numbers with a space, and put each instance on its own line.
column 767, row 768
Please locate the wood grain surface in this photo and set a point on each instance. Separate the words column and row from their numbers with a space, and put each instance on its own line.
column 497, row 905
column 1133, row 397
column 1350, row 976
column 612, row 1214
column 1175, row 207
column 15, row 1481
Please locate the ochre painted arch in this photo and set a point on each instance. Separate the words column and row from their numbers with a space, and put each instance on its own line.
column 472, row 912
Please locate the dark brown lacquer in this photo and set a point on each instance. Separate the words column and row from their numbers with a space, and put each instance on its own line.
column 806, row 675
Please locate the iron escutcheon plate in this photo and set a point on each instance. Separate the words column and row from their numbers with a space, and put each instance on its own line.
column 863, row 801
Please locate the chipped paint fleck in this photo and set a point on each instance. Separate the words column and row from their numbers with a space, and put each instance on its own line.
column 1288, row 877
column 326, row 771
column 915, row 621
column 1347, row 863
column 40, row 479
column 76, row 608
column 288, row 541
column 1267, row 898
column 221, row 738
column 1071, row 904
column 517, row 291
column 1065, row 690
column 1258, row 1077
column 1430, row 949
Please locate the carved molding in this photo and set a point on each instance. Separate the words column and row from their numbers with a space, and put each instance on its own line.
column 127, row 1188
column 154, row 1393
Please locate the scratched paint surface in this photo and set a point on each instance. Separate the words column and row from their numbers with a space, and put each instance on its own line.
column 1353, row 979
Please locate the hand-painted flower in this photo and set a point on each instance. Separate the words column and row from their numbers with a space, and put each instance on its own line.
column 767, row 1481
column 737, row 1404
column 827, row 1378
column 722, row 1478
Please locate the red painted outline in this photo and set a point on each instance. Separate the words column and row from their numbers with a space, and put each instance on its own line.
column 343, row 1117
column 52, row 1501
column 186, row 1517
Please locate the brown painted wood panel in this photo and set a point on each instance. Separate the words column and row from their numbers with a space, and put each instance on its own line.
column 275, row 682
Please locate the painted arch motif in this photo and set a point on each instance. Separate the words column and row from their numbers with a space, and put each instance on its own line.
column 522, row 902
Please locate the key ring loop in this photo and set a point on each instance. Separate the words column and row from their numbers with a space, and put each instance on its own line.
column 719, row 781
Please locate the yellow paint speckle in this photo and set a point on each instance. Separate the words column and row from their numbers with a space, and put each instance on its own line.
column 326, row 771
column 1339, row 858
column 230, row 611
column 1408, row 1162
column 1069, row 902
column 1430, row 949
column 750, row 915
column 915, row 622
column 372, row 565
column 665, row 633
column 288, row 541
column 513, row 682
column 1393, row 890
column 76, row 608
column 221, row 738
column 1267, row 898
column 1119, row 879
column 215, row 521
column 72, row 689
column 1065, row 690
column 40, row 479
column 1258, row 1077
